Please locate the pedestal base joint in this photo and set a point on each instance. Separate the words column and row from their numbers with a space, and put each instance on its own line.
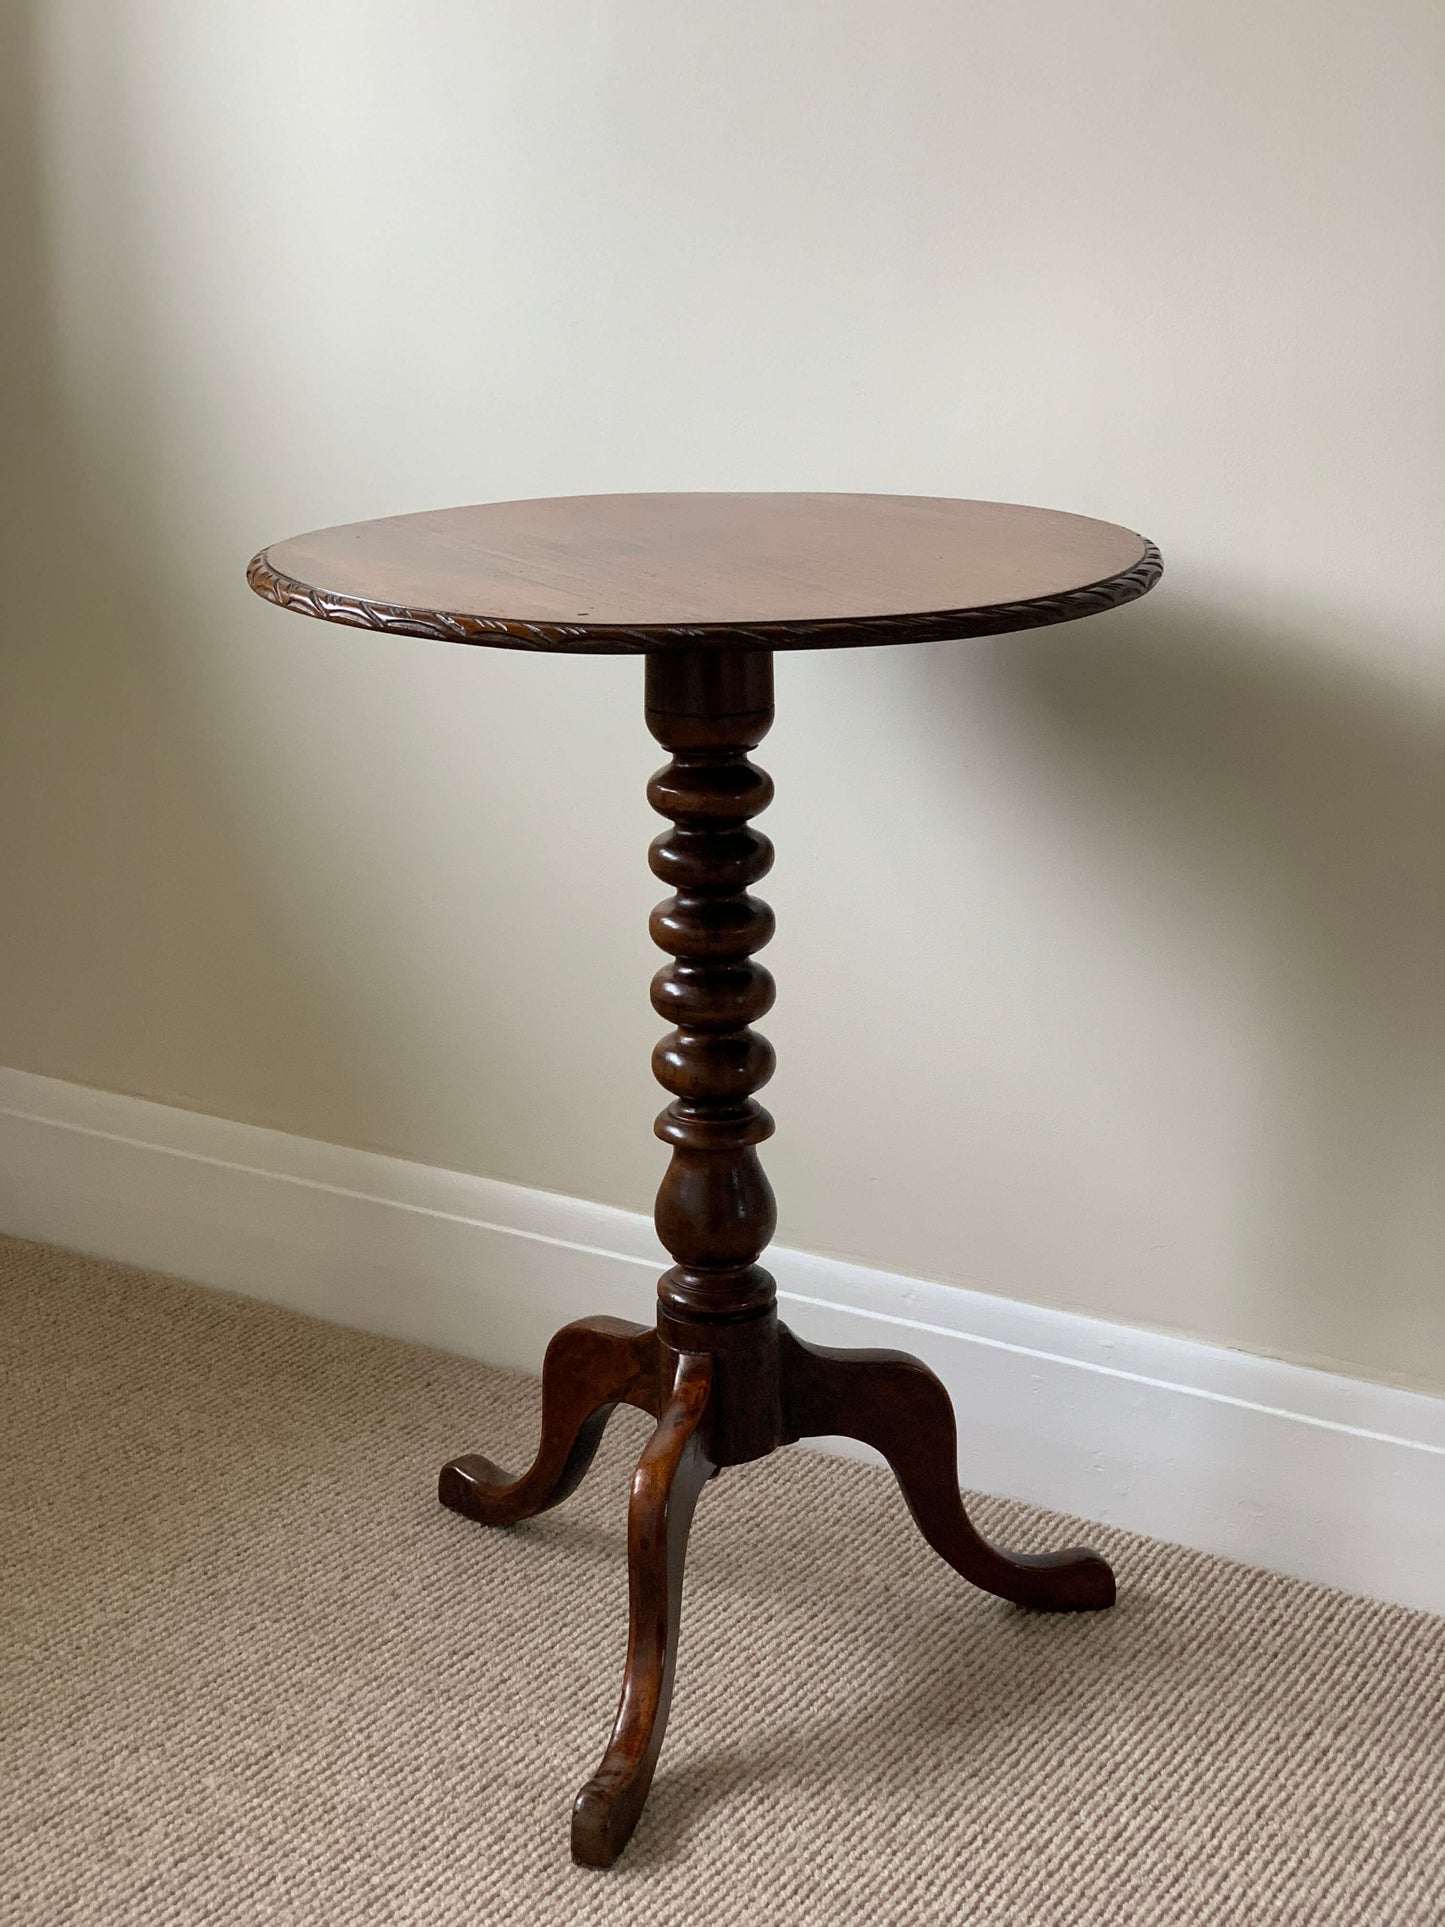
column 744, row 1416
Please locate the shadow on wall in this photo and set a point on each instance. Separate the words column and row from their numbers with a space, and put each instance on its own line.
column 1300, row 800
column 134, row 914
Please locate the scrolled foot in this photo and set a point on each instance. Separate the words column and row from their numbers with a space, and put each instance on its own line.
column 895, row 1404
column 670, row 1474
column 590, row 1368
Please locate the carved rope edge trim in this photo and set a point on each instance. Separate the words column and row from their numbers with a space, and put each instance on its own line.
column 604, row 639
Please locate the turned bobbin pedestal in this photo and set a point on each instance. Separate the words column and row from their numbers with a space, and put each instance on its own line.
column 708, row 586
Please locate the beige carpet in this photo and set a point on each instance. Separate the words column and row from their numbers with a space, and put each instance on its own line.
column 250, row 1672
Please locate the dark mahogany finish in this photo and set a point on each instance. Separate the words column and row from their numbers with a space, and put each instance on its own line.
column 590, row 1369
column 672, row 1471
column 895, row 1404
column 702, row 583
column 618, row 574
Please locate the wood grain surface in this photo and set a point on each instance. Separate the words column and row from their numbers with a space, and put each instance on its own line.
column 617, row 574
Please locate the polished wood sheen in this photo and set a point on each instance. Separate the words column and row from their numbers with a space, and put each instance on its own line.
column 590, row 1369
column 670, row 1475
column 698, row 582
column 618, row 574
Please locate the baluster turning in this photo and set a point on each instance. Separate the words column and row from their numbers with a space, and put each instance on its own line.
column 715, row 1209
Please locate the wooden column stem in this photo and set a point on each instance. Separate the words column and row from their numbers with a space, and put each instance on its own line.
column 715, row 1211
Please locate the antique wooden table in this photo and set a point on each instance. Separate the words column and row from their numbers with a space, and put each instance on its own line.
column 706, row 587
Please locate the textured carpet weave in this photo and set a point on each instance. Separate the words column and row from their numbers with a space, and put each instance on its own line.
column 251, row 1672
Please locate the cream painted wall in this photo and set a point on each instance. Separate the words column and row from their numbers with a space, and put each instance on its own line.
column 1112, row 960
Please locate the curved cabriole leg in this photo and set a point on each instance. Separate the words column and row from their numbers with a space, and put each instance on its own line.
column 895, row 1404
column 670, row 1474
column 590, row 1368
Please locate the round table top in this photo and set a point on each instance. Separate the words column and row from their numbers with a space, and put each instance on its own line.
column 618, row 574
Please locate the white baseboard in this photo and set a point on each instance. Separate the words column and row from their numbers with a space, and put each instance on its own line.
column 1323, row 1477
